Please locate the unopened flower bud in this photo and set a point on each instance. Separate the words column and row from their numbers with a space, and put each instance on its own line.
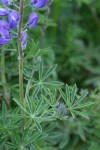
column 4, row 12
column 13, row 18
column 38, row 3
column 6, row 2
column 32, row 20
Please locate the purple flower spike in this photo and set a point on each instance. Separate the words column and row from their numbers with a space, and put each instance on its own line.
column 4, row 24
column 6, row 2
column 5, row 36
column 38, row 3
column 24, row 40
column 4, row 12
column 13, row 18
column 32, row 20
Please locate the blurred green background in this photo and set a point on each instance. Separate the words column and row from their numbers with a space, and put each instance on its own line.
column 75, row 41
column 73, row 34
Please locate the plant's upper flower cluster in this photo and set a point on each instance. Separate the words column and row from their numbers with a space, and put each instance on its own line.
column 13, row 18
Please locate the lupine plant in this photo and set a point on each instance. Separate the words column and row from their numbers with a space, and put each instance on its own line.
column 40, row 99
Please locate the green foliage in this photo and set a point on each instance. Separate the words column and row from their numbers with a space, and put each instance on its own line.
column 76, row 41
column 74, row 104
column 58, row 116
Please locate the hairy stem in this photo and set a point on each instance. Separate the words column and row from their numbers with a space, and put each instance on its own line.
column 20, row 58
column 3, row 78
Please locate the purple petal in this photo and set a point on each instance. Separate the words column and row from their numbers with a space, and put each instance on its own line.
column 24, row 35
column 6, row 2
column 3, row 41
column 38, row 3
column 4, row 12
column 13, row 24
column 32, row 20
column 24, row 40
column 5, row 34
column 13, row 18
column 4, row 24
column 24, row 45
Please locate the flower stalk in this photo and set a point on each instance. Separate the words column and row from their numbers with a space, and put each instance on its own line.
column 20, row 58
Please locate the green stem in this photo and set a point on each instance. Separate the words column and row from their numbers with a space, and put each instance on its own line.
column 20, row 58
column 3, row 78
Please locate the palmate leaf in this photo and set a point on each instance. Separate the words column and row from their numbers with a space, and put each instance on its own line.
column 83, row 105
column 35, row 51
column 11, row 145
column 40, row 106
column 30, row 104
column 36, row 91
column 26, row 73
column 21, row 142
column 53, row 83
column 4, row 130
column 63, row 96
column 28, row 123
column 53, row 98
column 21, row 106
column 73, row 93
column 42, row 83
column 80, row 99
column 39, row 127
column 74, row 104
column 80, row 114
column 40, row 71
column 31, row 146
column 68, row 94
column 32, row 137
column 7, row 122
column 45, row 118
column 17, row 136
column 47, row 100
column 36, row 112
column 49, row 72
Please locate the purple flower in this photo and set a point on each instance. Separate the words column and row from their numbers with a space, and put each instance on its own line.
column 32, row 20
column 4, row 12
column 6, row 2
column 4, row 24
column 13, row 18
column 4, row 36
column 38, row 3
column 24, row 40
